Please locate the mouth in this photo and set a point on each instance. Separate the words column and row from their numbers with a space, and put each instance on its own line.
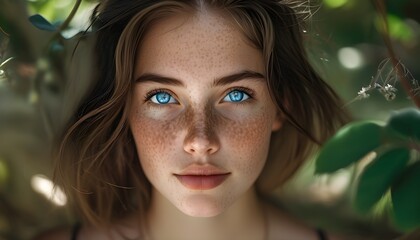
column 202, row 182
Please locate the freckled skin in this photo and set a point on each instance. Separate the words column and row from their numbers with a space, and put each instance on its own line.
column 201, row 128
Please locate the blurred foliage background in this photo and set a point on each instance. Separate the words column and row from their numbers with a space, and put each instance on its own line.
column 40, row 82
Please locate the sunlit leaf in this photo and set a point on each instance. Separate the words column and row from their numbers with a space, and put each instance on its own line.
column 335, row 3
column 349, row 145
column 398, row 28
column 37, row 5
column 378, row 176
column 405, row 195
column 48, row 9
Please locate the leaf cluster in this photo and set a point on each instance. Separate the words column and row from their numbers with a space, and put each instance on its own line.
column 395, row 167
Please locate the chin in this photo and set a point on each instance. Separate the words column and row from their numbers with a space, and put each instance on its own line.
column 202, row 206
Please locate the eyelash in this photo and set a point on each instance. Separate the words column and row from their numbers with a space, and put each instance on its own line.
column 247, row 91
column 150, row 94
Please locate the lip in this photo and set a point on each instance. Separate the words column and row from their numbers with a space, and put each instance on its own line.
column 202, row 177
column 202, row 182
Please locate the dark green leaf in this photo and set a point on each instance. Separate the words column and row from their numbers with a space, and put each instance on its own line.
column 42, row 23
column 350, row 144
column 406, row 122
column 378, row 176
column 405, row 194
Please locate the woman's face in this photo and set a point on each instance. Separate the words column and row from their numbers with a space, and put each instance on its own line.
column 202, row 115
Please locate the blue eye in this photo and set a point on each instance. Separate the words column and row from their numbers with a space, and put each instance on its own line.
column 236, row 96
column 162, row 98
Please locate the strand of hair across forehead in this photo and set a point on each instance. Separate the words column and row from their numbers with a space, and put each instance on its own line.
column 201, row 5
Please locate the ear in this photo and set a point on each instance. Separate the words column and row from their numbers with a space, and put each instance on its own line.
column 278, row 122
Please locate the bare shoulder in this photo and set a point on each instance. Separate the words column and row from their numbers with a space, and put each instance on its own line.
column 283, row 225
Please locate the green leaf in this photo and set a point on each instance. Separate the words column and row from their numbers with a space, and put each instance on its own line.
column 399, row 29
column 348, row 145
column 378, row 176
column 405, row 195
column 406, row 122
column 42, row 23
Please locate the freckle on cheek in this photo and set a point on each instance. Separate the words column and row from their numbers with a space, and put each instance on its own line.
column 246, row 137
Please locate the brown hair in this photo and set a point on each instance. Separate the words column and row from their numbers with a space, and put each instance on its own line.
column 97, row 162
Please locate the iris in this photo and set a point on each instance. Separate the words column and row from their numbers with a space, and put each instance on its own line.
column 236, row 96
column 162, row 98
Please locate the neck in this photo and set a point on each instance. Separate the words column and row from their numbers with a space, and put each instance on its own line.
column 245, row 219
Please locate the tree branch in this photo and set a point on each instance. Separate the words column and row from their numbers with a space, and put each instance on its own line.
column 381, row 9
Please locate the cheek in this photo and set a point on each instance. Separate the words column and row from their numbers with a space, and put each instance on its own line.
column 245, row 142
column 249, row 141
column 154, row 140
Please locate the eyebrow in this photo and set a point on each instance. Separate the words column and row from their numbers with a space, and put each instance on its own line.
column 152, row 77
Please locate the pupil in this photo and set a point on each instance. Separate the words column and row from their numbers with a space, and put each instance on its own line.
column 236, row 96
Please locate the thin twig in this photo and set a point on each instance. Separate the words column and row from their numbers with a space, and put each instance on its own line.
column 6, row 61
column 4, row 32
column 66, row 22
column 380, row 7
column 70, row 16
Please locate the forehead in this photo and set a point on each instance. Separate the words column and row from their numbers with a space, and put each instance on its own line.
column 197, row 44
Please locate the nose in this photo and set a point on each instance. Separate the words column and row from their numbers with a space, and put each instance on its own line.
column 201, row 138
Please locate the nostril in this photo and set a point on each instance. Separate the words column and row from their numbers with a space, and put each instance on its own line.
column 199, row 145
column 200, row 140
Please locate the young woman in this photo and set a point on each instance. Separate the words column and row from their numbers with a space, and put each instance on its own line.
column 199, row 108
